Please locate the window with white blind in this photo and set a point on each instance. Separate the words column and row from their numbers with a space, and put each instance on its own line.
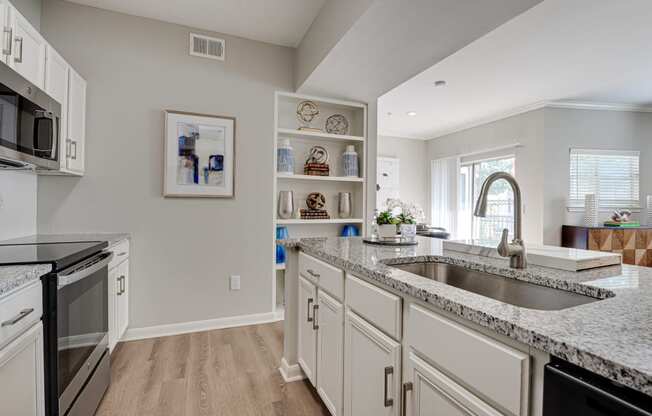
column 612, row 175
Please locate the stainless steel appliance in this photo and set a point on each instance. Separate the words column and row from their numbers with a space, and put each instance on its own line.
column 75, row 321
column 570, row 391
column 29, row 124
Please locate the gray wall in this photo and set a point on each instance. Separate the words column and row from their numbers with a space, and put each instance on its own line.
column 413, row 173
column 17, row 204
column 526, row 129
column 31, row 9
column 542, row 163
column 589, row 129
column 183, row 249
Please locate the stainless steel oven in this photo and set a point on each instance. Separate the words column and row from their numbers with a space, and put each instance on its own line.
column 29, row 123
column 76, row 325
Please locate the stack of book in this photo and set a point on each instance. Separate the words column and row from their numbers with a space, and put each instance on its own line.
column 314, row 214
column 316, row 169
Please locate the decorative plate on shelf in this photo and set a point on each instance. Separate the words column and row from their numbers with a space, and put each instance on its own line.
column 306, row 113
column 337, row 124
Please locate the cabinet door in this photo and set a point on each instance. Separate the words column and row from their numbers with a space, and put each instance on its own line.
column 372, row 370
column 430, row 392
column 123, row 299
column 56, row 85
column 114, row 288
column 307, row 333
column 76, row 122
column 28, row 54
column 329, row 318
column 21, row 375
column 7, row 33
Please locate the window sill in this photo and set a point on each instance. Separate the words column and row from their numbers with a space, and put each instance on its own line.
column 602, row 209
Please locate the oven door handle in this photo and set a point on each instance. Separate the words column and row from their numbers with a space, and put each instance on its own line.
column 94, row 264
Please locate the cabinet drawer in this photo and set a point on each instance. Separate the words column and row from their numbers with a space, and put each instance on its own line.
column 378, row 306
column 20, row 311
column 499, row 373
column 120, row 253
column 327, row 277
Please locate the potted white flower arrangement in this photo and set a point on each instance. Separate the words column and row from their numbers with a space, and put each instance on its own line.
column 386, row 224
column 408, row 216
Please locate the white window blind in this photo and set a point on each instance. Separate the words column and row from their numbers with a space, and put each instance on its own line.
column 612, row 175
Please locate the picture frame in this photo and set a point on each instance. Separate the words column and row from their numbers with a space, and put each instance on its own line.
column 199, row 159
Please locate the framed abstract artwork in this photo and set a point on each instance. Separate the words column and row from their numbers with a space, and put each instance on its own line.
column 199, row 155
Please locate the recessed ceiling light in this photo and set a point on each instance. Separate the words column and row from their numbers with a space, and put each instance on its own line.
column 440, row 83
column 411, row 113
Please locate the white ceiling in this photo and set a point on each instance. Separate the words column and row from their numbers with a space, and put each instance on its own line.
column 396, row 39
column 282, row 22
column 577, row 50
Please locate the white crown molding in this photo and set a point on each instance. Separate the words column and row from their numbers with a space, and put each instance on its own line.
column 289, row 372
column 490, row 119
column 579, row 105
column 570, row 105
column 133, row 334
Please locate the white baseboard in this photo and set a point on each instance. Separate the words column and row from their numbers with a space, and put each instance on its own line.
column 289, row 372
column 133, row 334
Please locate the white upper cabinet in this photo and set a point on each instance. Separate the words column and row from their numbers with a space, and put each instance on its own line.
column 76, row 122
column 7, row 33
column 57, row 72
column 27, row 49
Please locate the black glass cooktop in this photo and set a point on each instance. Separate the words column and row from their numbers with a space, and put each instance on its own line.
column 59, row 255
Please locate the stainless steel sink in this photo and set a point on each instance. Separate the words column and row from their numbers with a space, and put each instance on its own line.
column 504, row 289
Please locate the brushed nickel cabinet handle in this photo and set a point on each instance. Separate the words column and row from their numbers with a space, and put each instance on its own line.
column 388, row 402
column 406, row 387
column 8, row 34
column 312, row 273
column 310, row 300
column 122, row 284
column 118, row 281
column 315, row 325
column 19, row 45
column 21, row 315
column 73, row 145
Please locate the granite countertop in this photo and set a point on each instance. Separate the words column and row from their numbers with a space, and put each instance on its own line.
column 611, row 337
column 111, row 238
column 13, row 278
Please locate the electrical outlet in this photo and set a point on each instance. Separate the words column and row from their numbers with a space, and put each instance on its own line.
column 235, row 282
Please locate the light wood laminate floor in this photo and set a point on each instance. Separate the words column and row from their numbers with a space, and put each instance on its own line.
column 226, row 372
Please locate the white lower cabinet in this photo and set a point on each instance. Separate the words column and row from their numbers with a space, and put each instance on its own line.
column 307, row 334
column 21, row 375
column 330, row 320
column 122, row 299
column 118, row 293
column 429, row 392
column 372, row 370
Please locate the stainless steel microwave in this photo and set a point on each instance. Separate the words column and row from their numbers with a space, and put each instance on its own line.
column 29, row 123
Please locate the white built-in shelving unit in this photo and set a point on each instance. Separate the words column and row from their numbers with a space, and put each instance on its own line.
column 286, row 125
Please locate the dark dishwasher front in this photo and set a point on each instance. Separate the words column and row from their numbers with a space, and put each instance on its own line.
column 573, row 391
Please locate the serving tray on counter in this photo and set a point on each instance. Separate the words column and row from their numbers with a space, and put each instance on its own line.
column 392, row 241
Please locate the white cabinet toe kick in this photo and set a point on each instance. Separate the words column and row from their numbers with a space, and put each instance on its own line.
column 370, row 351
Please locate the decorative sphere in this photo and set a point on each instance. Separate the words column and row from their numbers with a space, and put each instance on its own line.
column 316, row 200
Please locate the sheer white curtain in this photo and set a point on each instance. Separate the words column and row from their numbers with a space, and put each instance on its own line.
column 445, row 174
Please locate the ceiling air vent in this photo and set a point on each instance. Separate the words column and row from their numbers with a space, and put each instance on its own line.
column 206, row 47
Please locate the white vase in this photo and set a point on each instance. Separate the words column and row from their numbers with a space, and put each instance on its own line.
column 408, row 231
column 590, row 210
column 387, row 230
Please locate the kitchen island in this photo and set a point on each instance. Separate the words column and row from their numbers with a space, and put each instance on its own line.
column 611, row 337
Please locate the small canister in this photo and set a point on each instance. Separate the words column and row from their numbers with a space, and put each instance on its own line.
column 350, row 159
column 285, row 157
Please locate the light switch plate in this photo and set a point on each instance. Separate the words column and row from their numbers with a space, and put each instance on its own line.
column 235, row 282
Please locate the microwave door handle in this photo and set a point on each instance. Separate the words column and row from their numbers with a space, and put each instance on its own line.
column 94, row 266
